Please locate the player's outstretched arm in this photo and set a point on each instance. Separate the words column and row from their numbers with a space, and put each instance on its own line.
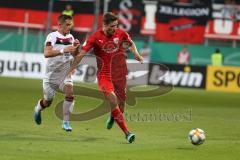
column 134, row 50
column 50, row 52
column 76, row 61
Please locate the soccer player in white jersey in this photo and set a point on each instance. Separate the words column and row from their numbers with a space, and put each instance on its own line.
column 60, row 47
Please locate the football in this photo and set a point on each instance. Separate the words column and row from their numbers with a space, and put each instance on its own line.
column 196, row 136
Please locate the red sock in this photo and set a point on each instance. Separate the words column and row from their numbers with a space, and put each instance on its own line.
column 120, row 110
column 118, row 117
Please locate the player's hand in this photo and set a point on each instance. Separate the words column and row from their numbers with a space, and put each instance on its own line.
column 70, row 49
column 76, row 43
column 139, row 58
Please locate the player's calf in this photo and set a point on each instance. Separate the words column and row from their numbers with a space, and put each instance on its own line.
column 41, row 105
column 67, row 106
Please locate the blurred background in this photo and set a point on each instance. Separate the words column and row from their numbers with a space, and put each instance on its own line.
column 186, row 35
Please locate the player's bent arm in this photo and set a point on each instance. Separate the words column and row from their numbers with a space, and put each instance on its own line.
column 76, row 61
column 134, row 50
column 49, row 52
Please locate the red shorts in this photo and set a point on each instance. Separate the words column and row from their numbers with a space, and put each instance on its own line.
column 106, row 85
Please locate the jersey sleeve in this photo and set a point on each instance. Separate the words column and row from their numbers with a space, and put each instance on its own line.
column 126, row 36
column 50, row 40
column 88, row 44
column 126, row 39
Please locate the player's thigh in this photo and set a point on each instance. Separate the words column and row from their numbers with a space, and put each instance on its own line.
column 105, row 85
column 121, row 103
column 48, row 91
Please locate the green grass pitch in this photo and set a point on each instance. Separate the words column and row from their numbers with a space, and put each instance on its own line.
column 218, row 114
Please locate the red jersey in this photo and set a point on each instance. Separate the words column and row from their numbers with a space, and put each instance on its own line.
column 110, row 53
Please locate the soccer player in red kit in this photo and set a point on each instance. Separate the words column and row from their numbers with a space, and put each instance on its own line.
column 109, row 44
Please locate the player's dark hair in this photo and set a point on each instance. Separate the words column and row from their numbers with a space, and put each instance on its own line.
column 109, row 17
column 62, row 18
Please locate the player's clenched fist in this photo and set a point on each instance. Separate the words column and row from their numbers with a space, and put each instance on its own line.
column 76, row 43
column 139, row 58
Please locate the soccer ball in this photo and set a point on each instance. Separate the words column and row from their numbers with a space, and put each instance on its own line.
column 196, row 136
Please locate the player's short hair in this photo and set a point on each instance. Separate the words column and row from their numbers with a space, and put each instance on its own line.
column 62, row 18
column 109, row 17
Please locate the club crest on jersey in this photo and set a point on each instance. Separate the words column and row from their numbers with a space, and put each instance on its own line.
column 116, row 40
column 110, row 47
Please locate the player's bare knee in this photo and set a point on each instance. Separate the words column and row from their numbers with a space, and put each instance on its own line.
column 113, row 103
column 69, row 93
column 68, row 90
column 112, row 99
column 69, row 98
column 121, row 105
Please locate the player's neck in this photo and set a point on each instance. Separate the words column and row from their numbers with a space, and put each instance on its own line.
column 105, row 33
column 62, row 33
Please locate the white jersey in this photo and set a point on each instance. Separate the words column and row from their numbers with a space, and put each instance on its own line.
column 57, row 66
